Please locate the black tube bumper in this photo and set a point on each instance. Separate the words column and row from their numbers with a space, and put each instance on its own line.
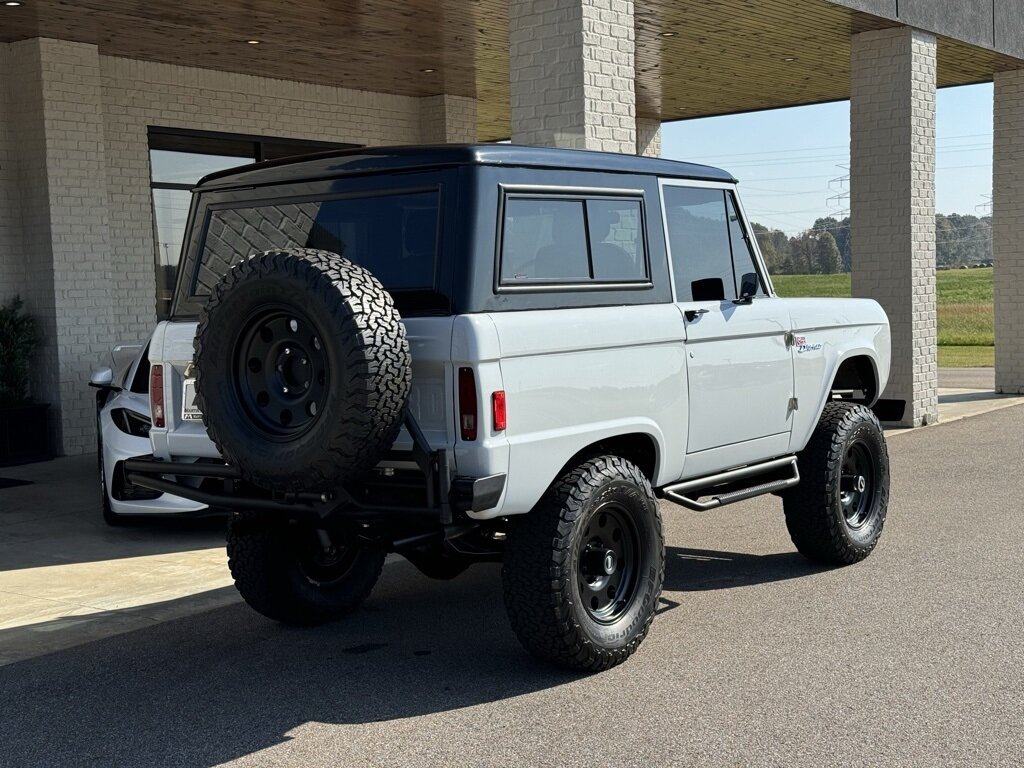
column 465, row 494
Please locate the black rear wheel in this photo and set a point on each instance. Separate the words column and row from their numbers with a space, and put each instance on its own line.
column 583, row 570
column 297, row 574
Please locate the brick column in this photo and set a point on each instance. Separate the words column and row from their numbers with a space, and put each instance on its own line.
column 648, row 137
column 572, row 74
column 892, row 202
column 447, row 119
column 12, row 263
column 1008, row 229
column 56, row 129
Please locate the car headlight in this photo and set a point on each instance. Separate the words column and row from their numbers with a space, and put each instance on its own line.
column 130, row 423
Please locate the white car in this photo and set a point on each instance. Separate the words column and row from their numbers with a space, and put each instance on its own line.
column 122, row 432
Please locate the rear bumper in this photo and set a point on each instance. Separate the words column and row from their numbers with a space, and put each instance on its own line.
column 446, row 494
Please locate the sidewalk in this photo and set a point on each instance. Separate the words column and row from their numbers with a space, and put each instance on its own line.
column 67, row 578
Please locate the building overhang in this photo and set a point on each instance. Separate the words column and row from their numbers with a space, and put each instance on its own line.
column 693, row 58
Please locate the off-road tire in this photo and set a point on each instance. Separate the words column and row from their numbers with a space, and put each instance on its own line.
column 364, row 384
column 270, row 563
column 543, row 596
column 814, row 510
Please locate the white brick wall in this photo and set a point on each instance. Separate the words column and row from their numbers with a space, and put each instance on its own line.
column 76, row 221
column 1008, row 229
column 571, row 65
column 57, row 132
column 12, row 275
column 140, row 94
column 448, row 119
column 892, row 202
column 648, row 137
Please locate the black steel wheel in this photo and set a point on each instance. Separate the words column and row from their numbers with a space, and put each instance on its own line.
column 302, row 369
column 857, row 485
column 297, row 574
column 606, row 565
column 837, row 512
column 583, row 570
column 282, row 372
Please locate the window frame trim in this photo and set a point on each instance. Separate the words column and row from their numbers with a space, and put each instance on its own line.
column 727, row 187
column 573, row 193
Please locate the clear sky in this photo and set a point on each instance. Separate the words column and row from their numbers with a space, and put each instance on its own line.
column 793, row 163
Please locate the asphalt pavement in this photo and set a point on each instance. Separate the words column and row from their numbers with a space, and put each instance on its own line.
column 914, row 657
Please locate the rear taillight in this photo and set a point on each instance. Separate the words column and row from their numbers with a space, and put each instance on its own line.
column 467, row 404
column 498, row 410
column 156, row 395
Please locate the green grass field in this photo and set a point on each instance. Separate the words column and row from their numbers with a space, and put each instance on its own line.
column 966, row 322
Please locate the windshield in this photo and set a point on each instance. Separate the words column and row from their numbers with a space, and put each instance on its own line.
column 395, row 236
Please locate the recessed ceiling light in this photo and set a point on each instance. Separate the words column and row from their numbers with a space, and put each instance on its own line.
column 12, row 3
column 790, row 58
column 668, row 34
column 253, row 42
column 428, row 70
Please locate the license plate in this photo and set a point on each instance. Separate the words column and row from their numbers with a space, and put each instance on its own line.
column 189, row 411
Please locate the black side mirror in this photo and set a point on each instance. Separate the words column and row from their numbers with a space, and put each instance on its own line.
column 748, row 285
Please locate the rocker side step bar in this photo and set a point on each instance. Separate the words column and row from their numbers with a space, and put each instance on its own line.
column 687, row 492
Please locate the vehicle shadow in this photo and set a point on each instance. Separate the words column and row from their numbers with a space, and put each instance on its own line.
column 698, row 570
column 226, row 683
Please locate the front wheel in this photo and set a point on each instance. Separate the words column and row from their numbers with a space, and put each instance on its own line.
column 836, row 514
column 583, row 570
column 297, row 574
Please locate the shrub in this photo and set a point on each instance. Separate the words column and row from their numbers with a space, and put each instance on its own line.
column 18, row 340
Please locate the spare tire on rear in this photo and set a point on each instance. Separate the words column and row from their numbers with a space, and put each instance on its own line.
column 302, row 369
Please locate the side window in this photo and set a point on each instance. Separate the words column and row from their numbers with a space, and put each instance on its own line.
column 748, row 282
column 544, row 240
column 563, row 240
column 698, row 234
column 616, row 239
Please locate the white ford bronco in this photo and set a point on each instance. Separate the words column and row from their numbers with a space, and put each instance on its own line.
column 462, row 354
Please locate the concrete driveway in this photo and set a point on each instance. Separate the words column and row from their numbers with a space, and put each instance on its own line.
column 913, row 657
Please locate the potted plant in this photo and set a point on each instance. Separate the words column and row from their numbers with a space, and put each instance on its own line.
column 24, row 431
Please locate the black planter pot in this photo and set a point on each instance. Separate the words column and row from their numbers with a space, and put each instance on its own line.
column 24, row 433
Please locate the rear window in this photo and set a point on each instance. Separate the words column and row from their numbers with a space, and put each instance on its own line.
column 395, row 236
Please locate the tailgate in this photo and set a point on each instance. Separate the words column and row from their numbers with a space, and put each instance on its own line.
column 185, row 435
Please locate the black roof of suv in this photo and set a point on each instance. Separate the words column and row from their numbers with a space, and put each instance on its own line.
column 395, row 159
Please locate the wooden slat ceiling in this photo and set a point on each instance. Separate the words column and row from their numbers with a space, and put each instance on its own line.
column 719, row 56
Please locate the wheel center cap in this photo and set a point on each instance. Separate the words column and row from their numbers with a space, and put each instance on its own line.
column 294, row 370
column 860, row 484
column 609, row 564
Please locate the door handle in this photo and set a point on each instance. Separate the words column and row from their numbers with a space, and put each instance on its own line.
column 693, row 314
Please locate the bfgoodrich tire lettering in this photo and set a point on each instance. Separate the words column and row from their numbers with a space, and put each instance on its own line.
column 565, row 600
column 303, row 369
column 837, row 512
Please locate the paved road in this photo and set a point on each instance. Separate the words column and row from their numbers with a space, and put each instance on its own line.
column 967, row 378
column 914, row 657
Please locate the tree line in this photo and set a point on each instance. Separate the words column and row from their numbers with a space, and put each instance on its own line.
column 824, row 249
